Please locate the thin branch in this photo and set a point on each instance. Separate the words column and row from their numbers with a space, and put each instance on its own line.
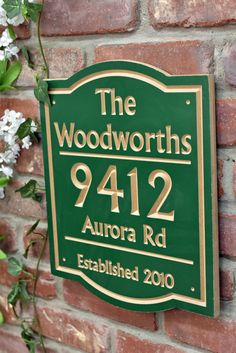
column 34, row 294
column 40, row 42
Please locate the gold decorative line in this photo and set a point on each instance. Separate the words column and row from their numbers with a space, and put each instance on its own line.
column 132, row 300
column 51, row 178
column 134, row 251
column 135, row 158
column 124, row 73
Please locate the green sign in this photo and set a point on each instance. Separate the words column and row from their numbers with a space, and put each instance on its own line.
column 130, row 172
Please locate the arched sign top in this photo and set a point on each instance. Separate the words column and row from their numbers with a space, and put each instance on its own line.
column 130, row 175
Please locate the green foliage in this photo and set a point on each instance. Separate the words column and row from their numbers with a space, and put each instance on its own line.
column 1, row 318
column 33, row 227
column 3, row 256
column 28, row 337
column 9, row 72
column 28, row 10
column 4, row 181
column 18, row 292
column 24, row 129
column 12, row 7
column 11, row 32
column 29, row 190
column 41, row 91
column 33, row 10
column 26, row 55
column 15, row 266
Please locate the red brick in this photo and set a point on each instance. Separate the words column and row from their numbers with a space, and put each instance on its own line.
column 62, row 62
column 46, row 286
column 15, row 204
column 70, row 329
column 29, row 107
column 7, row 311
column 227, row 226
column 22, row 31
column 88, row 17
column 215, row 335
column 181, row 57
column 31, row 161
column 226, row 122
column 220, row 176
column 11, row 342
column 35, row 248
column 227, row 284
column 229, row 58
column 175, row 13
column 75, row 294
column 234, row 179
column 127, row 343
column 9, row 233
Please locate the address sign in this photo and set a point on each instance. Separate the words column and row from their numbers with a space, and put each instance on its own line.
column 130, row 172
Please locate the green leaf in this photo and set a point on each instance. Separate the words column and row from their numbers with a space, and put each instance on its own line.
column 33, row 10
column 5, row 87
column 3, row 67
column 4, row 181
column 29, row 339
column 41, row 92
column 1, row 318
column 33, row 227
column 2, row 237
column 23, row 292
column 25, row 53
column 12, row 7
column 11, row 74
column 15, row 266
column 37, row 197
column 14, row 294
column 24, row 129
column 11, row 32
column 28, row 190
column 3, row 256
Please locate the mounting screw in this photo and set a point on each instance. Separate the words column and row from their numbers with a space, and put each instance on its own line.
column 192, row 289
column 64, row 259
column 53, row 102
column 188, row 102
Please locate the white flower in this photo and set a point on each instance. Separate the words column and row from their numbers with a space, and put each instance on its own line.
column 2, row 54
column 16, row 21
column 33, row 127
column 26, row 142
column 2, row 193
column 6, row 170
column 3, row 15
column 10, row 51
column 5, row 39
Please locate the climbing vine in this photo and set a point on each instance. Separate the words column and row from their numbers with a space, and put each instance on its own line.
column 16, row 133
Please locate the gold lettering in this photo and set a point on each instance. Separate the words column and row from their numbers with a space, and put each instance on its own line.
column 90, row 144
column 171, row 137
column 186, row 144
column 61, row 136
column 148, row 137
column 141, row 141
column 103, row 91
column 159, row 136
column 116, row 99
column 108, row 145
column 130, row 102
column 88, row 226
column 121, row 139
column 76, row 138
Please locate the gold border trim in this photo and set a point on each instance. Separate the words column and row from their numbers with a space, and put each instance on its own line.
column 191, row 89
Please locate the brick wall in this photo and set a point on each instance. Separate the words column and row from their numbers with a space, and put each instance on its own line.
column 181, row 37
